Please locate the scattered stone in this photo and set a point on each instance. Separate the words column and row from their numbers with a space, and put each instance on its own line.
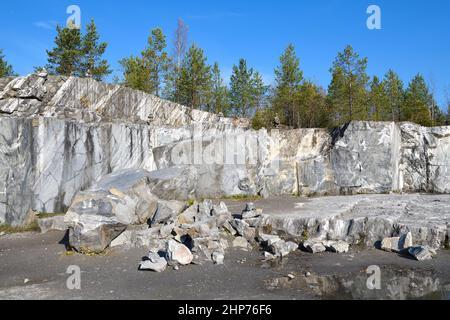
column 268, row 239
column 25, row 281
column 421, row 253
column 282, row 249
column 178, row 253
column 406, row 241
column 168, row 210
column 218, row 258
column 269, row 256
column 291, row 276
column 240, row 242
column 176, row 268
column 397, row 244
column 391, row 244
column 154, row 263
column 228, row 227
column 337, row 246
column 314, row 247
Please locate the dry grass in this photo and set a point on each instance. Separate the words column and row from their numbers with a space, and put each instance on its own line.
column 34, row 227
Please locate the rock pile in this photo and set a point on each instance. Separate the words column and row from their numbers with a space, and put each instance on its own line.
column 404, row 245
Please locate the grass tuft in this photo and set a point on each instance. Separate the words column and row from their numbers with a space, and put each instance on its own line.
column 34, row 227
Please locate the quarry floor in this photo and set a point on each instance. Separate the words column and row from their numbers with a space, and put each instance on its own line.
column 34, row 266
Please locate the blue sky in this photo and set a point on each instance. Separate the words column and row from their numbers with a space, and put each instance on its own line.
column 415, row 34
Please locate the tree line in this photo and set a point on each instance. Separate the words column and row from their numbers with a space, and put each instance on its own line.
column 185, row 76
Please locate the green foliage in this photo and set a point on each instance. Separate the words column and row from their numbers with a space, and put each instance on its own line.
column 347, row 93
column 194, row 83
column 78, row 55
column 65, row 58
column 395, row 96
column 91, row 54
column 378, row 100
column 246, row 90
column 6, row 70
column 147, row 72
column 263, row 118
column 288, row 79
column 219, row 102
column 418, row 102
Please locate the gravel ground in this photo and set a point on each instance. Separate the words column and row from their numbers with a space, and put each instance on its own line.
column 33, row 266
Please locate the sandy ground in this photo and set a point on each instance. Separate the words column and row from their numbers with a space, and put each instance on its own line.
column 33, row 266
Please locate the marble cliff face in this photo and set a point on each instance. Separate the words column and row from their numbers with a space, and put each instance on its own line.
column 60, row 135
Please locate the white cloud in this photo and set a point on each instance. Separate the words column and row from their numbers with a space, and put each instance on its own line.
column 47, row 25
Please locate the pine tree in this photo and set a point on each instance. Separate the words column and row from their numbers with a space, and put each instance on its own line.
column 311, row 110
column 6, row 70
column 377, row 101
column 347, row 93
column 147, row 72
column 245, row 90
column 78, row 55
column 395, row 95
column 288, row 78
column 194, row 83
column 259, row 90
column 136, row 74
column 65, row 57
column 92, row 51
column 417, row 102
column 219, row 96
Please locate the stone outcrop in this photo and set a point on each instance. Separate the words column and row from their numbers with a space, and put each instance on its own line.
column 60, row 135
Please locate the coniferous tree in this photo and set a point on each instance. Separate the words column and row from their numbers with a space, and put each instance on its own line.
column 395, row 95
column 288, row 79
column 147, row 72
column 378, row 101
column 65, row 58
column 259, row 90
column 417, row 102
column 347, row 93
column 312, row 112
column 247, row 90
column 194, row 82
column 6, row 70
column 78, row 55
column 92, row 64
column 219, row 93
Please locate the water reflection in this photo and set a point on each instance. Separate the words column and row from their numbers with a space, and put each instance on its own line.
column 396, row 284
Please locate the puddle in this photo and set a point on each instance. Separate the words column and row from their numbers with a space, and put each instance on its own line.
column 395, row 284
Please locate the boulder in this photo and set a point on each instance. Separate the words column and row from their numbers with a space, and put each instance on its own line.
column 268, row 239
column 337, row 246
column 168, row 211
column 93, row 233
column 397, row 244
column 177, row 183
column 154, row 263
column 178, row 253
column 314, row 246
column 421, row 253
column 240, row 242
column 218, row 258
column 282, row 248
column 125, row 195
column 106, row 209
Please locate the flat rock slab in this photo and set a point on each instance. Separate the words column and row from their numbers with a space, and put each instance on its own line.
column 357, row 219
